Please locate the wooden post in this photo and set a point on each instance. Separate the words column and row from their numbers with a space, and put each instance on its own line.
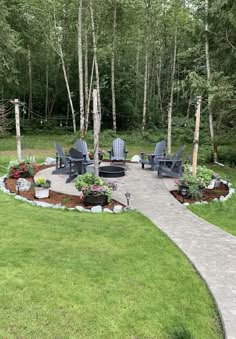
column 96, row 131
column 18, row 136
column 196, row 134
column 169, row 117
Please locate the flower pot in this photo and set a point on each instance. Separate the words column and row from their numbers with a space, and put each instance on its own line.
column 94, row 200
column 41, row 192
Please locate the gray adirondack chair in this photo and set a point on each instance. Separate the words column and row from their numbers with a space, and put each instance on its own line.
column 62, row 161
column 77, row 164
column 171, row 167
column 118, row 151
column 82, row 147
column 153, row 158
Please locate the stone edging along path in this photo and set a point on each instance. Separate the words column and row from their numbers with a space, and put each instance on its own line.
column 211, row 250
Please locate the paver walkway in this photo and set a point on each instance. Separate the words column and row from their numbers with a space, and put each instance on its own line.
column 211, row 250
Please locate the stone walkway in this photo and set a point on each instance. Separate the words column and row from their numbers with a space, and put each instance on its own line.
column 211, row 250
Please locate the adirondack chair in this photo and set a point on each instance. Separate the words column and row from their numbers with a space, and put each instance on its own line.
column 77, row 164
column 171, row 167
column 62, row 161
column 82, row 147
column 118, row 151
column 153, row 158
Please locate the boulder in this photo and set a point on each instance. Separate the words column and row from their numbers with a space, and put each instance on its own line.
column 24, row 185
column 50, row 161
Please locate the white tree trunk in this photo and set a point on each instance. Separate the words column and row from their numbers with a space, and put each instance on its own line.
column 46, row 91
column 86, row 89
column 95, row 58
column 196, row 135
column 96, row 132
column 68, row 89
column 89, row 97
column 30, row 83
column 18, row 136
column 170, row 106
column 80, row 67
column 113, row 69
column 145, row 91
column 210, row 96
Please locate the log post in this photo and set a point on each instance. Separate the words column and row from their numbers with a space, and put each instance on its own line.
column 18, row 136
column 96, row 131
column 196, row 134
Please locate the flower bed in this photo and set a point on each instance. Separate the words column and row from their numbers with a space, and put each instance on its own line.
column 57, row 199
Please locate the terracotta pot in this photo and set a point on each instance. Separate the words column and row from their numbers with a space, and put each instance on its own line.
column 94, row 200
column 41, row 192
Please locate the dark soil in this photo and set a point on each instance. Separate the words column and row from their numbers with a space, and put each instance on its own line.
column 208, row 194
column 69, row 201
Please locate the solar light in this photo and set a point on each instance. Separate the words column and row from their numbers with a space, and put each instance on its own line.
column 127, row 195
column 184, row 192
column 18, row 184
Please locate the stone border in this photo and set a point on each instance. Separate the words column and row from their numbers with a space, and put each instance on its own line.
column 95, row 209
column 221, row 198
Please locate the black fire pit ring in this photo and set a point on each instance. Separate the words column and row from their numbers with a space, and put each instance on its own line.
column 111, row 171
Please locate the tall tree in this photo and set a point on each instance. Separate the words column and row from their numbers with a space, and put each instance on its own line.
column 80, row 67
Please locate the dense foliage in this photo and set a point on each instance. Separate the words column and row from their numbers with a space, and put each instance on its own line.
column 37, row 37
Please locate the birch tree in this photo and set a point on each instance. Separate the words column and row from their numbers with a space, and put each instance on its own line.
column 113, row 67
column 210, row 95
column 80, row 67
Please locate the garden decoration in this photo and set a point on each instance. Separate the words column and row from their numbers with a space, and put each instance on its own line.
column 94, row 190
column 41, row 187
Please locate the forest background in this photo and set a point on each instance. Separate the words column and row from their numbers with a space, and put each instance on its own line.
column 148, row 59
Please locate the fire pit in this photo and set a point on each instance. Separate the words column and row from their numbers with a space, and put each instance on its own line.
column 111, row 171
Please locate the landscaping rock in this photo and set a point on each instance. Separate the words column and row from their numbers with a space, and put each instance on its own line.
column 117, row 209
column 43, row 204
column 18, row 197
column 107, row 210
column 96, row 209
column 24, row 185
column 186, row 204
column 136, row 158
column 80, row 209
column 50, row 161
column 212, row 184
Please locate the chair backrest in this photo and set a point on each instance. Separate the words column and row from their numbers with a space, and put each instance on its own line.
column 160, row 148
column 82, row 147
column 118, row 148
column 177, row 155
column 74, row 153
column 61, row 154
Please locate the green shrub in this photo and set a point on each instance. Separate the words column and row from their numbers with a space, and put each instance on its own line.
column 21, row 169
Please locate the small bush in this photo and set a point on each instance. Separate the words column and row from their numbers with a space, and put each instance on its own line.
column 21, row 169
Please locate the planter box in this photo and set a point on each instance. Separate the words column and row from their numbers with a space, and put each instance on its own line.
column 94, row 200
column 41, row 192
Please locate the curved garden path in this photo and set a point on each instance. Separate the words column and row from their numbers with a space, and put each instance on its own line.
column 211, row 250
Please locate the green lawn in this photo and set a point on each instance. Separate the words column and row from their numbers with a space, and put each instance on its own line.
column 71, row 275
column 220, row 214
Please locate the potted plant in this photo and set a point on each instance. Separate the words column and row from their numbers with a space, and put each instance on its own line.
column 41, row 187
column 95, row 191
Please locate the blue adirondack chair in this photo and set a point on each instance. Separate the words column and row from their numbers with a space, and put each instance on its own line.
column 153, row 158
column 118, row 151
column 171, row 167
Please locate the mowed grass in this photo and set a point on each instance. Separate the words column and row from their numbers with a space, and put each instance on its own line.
column 71, row 275
column 221, row 214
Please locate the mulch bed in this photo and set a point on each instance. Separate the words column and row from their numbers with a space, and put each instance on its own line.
column 66, row 200
column 208, row 195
